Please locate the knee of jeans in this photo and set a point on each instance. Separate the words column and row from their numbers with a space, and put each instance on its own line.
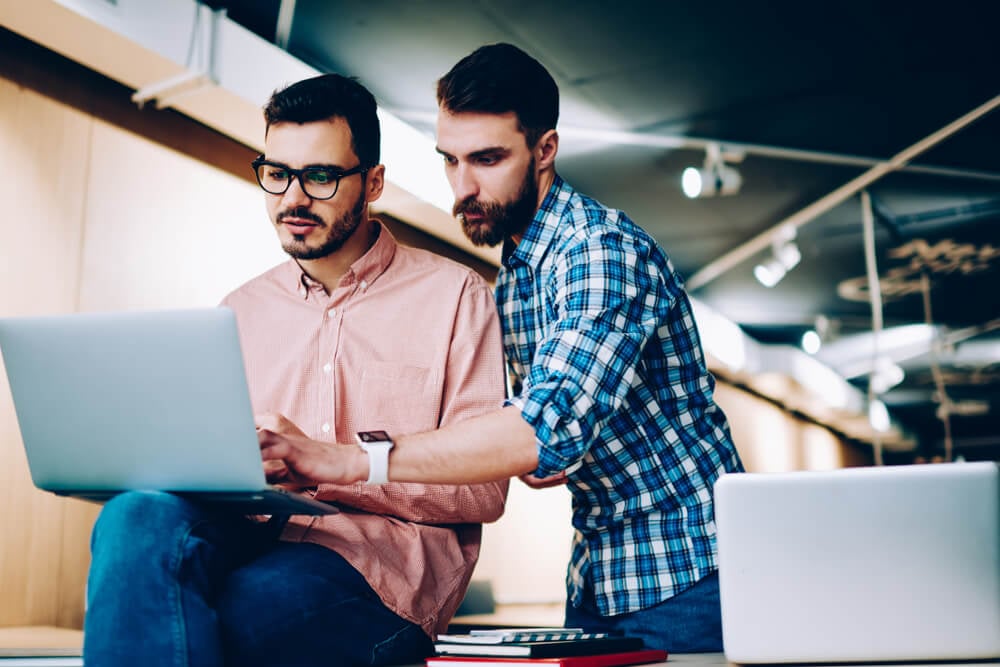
column 132, row 512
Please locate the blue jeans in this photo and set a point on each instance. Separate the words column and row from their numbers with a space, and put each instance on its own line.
column 690, row 622
column 172, row 583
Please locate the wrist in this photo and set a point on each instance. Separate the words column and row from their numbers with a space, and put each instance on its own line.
column 359, row 465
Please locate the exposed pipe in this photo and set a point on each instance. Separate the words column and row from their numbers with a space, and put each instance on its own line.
column 648, row 140
column 762, row 241
column 875, row 298
column 164, row 93
column 283, row 28
column 945, row 408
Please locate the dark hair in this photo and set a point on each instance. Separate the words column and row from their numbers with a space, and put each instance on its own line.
column 329, row 96
column 499, row 78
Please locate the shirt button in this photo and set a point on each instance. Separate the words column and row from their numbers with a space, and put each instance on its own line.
column 326, row 368
column 326, row 428
column 364, row 284
column 331, row 313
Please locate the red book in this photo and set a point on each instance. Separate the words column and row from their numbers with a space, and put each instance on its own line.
column 643, row 657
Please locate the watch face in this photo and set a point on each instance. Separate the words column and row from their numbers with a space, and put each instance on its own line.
column 374, row 436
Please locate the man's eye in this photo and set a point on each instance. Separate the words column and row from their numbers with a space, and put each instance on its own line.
column 448, row 159
column 277, row 174
column 320, row 176
column 487, row 160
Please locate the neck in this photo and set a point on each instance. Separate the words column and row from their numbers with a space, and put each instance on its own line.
column 545, row 180
column 328, row 270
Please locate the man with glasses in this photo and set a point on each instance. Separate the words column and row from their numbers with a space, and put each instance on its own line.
column 354, row 333
column 613, row 397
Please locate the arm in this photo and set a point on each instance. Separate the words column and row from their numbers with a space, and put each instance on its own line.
column 488, row 448
column 473, row 384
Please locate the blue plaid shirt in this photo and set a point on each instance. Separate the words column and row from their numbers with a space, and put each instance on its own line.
column 599, row 334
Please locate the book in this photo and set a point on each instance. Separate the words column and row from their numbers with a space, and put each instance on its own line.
column 543, row 649
column 519, row 635
column 642, row 657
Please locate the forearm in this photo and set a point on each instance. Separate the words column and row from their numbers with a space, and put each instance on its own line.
column 492, row 447
column 423, row 503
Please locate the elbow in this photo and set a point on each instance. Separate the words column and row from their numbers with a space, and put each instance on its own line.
column 492, row 500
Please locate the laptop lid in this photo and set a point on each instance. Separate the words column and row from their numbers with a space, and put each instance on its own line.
column 108, row 402
column 861, row 564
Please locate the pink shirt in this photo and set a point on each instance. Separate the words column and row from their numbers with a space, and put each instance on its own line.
column 407, row 342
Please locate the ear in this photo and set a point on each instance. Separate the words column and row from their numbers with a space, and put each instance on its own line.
column 374, row 183
column 546, row 149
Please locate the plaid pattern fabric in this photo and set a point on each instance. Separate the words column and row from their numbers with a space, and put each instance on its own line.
column 599, row 332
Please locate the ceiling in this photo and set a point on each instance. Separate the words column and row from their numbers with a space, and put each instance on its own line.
column 808, row 98
column 809, row 102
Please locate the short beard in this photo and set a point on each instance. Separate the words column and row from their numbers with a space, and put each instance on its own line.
column 341, row 230
column 500, row 221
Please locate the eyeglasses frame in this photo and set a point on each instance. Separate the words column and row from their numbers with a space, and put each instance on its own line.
column 260, row 161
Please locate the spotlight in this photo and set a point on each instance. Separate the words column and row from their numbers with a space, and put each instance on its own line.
column 811, row 342
column 715, row 178
column 878, row 416
column 886, row 375
column 785, row 256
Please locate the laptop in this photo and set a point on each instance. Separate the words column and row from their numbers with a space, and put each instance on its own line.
column 860, row 564
column 109, row 402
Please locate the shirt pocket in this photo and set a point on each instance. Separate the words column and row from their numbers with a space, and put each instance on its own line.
column 399, row 399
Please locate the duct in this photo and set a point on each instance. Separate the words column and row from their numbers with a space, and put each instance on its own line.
column 687, row 142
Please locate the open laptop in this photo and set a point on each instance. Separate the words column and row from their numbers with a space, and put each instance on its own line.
column 108, row 402
column 860, row 564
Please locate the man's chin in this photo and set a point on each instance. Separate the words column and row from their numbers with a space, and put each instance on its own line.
column 481, row 234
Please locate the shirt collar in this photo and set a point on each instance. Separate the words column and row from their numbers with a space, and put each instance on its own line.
column 542, row 229
column 363, row 272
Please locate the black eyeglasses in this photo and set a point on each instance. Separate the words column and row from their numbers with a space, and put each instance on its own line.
column 317, row 181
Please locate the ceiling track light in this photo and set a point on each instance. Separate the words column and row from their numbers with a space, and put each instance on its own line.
column 715, row 177
column 785, row 256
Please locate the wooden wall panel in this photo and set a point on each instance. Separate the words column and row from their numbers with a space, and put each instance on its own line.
column 166, row 231
column 45, row 147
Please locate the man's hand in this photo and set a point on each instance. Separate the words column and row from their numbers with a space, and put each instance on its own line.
column 544, row 482
column 293, row 459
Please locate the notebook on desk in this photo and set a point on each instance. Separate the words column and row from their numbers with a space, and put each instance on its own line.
column 861, row 565
column 108, row 402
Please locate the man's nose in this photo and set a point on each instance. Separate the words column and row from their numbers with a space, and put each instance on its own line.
column 295, row 196
column 464, row 183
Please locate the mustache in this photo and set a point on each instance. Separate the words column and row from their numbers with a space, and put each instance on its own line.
column 303, row 213
column 471, row 205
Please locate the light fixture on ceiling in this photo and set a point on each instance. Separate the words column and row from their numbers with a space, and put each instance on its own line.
column 878, row 416
column 715, row 177
column 811, row 341
column 886, row 375
column 785, row 256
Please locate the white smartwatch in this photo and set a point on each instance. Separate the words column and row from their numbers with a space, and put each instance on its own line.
column 377, row 444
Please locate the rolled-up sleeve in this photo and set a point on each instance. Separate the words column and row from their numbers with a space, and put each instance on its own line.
column 607, row 298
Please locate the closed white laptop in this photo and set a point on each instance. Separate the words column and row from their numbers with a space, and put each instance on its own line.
column 861, row 564
column 108, row 402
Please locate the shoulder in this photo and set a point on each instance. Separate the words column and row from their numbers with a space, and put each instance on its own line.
column 415, row 262
column 587, row 226
column 276, row 280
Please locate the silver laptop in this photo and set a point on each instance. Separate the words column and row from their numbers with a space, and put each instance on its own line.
column 108, row 402
column 861, row 564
